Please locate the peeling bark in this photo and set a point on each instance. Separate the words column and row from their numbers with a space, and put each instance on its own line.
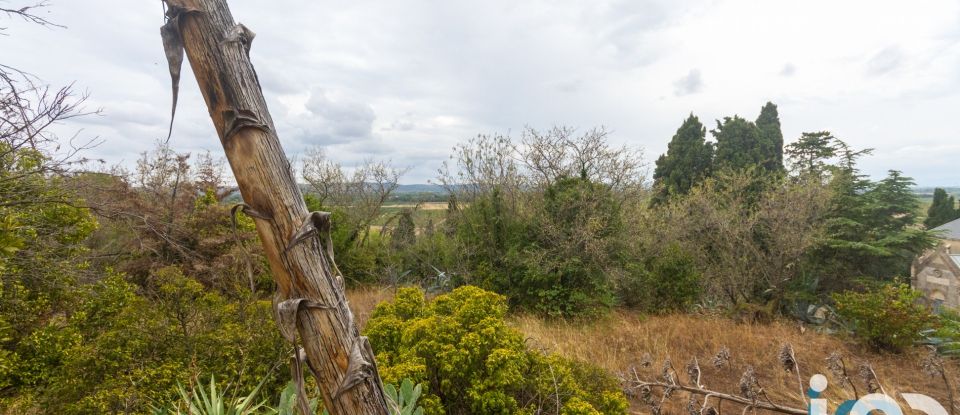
column 310, row 302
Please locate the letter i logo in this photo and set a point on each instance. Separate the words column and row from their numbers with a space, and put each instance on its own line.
column 818, row 384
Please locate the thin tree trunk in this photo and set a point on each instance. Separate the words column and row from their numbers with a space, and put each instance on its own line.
column 310, row 297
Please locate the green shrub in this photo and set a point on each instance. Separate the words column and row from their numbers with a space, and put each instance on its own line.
column 663, row 283
column 550, row 253
column 104, row 358
column 890, row 317
column 460, row 348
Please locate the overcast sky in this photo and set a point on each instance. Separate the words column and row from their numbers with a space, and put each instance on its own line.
column 406, row 80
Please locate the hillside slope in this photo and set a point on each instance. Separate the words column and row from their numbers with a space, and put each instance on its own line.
column 624, row 339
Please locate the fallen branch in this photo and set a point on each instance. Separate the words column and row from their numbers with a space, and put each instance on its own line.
column 770, row 406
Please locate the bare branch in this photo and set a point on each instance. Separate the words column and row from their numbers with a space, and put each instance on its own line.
column 29, row 14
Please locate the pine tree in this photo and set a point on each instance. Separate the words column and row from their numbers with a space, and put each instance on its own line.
column 810, row 154
column 738, row 145
column 687, row 161
column 894, row 204
column 771, row 137
column 869, row 230
column 942, row 209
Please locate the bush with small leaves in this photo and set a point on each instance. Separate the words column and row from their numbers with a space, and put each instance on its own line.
column 666, row 282
column 459, row 347
column 890, row 317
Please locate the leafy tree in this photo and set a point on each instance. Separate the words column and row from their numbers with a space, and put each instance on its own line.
column 554, row 259
column 771, row 138
column 687, row 161
column 543, row 222
column 576, row 243
column 942, row 210
column 356, row 199
column 746, row 245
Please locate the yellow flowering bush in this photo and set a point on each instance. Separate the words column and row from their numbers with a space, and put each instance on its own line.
column 469, row 360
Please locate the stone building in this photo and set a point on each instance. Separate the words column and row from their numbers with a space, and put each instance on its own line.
column 937, row 273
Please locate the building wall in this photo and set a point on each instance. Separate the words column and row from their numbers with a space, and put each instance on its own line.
column 953, row 245
column 937, row 280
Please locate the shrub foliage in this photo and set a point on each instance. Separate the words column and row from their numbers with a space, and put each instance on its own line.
column 890, row 317
column 460, row 347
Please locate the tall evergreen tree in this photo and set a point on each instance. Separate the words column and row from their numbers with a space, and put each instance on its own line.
column 810, row 154
column 738, row 144
column 942, row 210
column 894, row 206
column 771, row 137
column 687, row 161
column 869, row 230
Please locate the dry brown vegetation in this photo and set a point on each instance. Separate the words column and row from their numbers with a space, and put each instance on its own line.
column 625, row 339
column 364, row 299
column 622, row 339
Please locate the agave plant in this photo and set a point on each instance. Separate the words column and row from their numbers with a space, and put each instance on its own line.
column 288, row 402
column 403, row 401
column 212, row 401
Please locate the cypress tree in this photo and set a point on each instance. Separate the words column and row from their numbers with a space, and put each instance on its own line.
column 687, row 161
column 771, row 137
column 738, row 145
column 942, row 209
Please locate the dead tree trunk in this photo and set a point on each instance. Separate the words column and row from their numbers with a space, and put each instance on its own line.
column 310, row 299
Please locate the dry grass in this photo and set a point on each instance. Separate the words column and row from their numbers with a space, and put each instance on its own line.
column 364, row 299
column 621, row 340
column 422, row 206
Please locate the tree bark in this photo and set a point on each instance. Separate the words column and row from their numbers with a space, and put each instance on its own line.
column 308, row 291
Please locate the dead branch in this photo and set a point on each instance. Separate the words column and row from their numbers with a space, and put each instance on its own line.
column 28, row 13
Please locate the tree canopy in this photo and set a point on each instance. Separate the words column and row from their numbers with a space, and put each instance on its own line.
column 942, row 210
column 687, row 162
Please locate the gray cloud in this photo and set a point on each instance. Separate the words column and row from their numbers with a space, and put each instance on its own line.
column 407, row 80
column 691, row 83
column 339, row 116
column 404, row 122
column 788, row 70
column 884, row 61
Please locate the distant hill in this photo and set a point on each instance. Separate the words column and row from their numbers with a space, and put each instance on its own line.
column 926, row 192
column 423, row 188
column 405, row 193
